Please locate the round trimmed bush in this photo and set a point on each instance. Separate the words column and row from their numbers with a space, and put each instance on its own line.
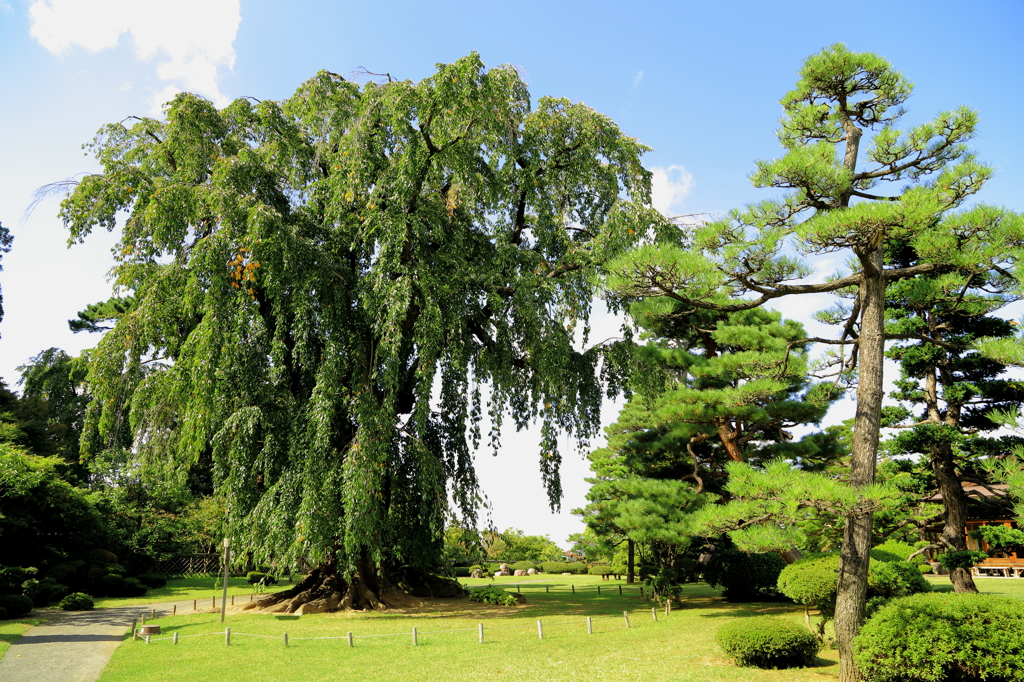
column 522, row 565
column 460, row 571
column 600, row 570
column 768, row 642
column 254, row 577
column 745, row 577
column 76, row 601
column 943, row 636
column 17, row 605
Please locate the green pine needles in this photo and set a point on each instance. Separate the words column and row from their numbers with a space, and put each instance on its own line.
column 330, row 293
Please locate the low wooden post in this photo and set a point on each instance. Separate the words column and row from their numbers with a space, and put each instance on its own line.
column 620, row 590
column 573, row 588
column 174, row 610
column 152, row 614
column 194, row 602
column 547, row 588
column 250, row 596
column 540, row 630
column 214, row 601
column 350, row 642
column 599, row 589
column 286, row 639
column 415, row 641
column 481, row 627
column 232, row 600
column 147, row 639
column 590, row 625
column 175, row 637
column 625, row 614
column 227, row 636
column 654, row 614
column 668, row 606
column 143, row 619
column 135, row 628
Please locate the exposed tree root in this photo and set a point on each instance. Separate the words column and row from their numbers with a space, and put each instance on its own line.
column 325, row 589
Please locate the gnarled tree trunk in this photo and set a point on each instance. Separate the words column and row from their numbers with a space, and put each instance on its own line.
column 369, row 589
column 955, row 502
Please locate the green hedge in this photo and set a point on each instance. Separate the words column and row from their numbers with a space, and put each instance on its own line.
column 523, row 565
column 745, row 577
column 574, row 567
column 943, row 636
column 767, row 642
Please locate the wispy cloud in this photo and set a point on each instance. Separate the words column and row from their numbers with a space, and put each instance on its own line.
column 193, row 38
column 669, row 188
column 636, row 80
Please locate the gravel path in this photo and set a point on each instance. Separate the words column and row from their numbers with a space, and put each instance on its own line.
column 71, row 646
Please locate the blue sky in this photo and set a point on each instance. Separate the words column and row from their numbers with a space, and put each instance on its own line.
column 697, row 81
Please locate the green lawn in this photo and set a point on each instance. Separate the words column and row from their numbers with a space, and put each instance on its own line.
column 679, row 646
column 11, row 630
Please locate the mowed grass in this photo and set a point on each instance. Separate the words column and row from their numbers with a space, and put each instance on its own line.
column 679, row 647
column 187, row 589
column 11, row 630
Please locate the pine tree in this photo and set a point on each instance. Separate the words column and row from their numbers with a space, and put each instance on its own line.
column 903, row 186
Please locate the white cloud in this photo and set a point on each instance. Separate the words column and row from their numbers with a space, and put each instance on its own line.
column 636, row 80
column 669, row 188
column 193, row 37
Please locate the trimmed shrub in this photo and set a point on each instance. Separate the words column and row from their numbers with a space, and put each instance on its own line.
column 492, row 594
column 253, row 577
column 576, row 568
column 925, row 568
column 13, row 579
column 17, row 605
column 151, row 580
column 896, row 579
column 600, row 570
column 745, row 577
column 116, row 586
column 76, row 601
column 619, row 570
column 460, row 571
column 767, row 642
column 553, row 566
column 522, row 565
column 943, row 636
column 47, row 590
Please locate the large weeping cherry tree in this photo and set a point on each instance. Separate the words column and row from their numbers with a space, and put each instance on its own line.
column 332, row 292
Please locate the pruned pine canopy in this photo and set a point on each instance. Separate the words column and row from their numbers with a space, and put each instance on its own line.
column 325, row 283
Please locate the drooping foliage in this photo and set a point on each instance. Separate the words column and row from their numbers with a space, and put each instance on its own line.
column 5, row 246
column 327, row 287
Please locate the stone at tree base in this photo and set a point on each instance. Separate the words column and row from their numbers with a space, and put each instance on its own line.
column 567, row 574
column 476, row 573
column 503, row 568
column 531, row 571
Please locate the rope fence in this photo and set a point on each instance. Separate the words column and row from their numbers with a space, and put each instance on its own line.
column 350, row 637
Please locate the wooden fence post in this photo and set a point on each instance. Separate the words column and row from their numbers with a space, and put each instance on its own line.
column 573, row 588
column 350, row 642
column 174, row 611
column 620, row 590
column 654, row 614
column 625, row 614
column 590, row 625
column 540, row 630
column 414, row 640
column 194, row 601
column 175, row 637
column 147, row 639
column 286, row 639
column 481, row 633
column 135, row 630
column 599, row 589
column 227, row 636
column 547, row 588
column 152, row 615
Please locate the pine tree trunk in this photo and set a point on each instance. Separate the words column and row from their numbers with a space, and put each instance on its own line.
column 630, row 566
column 855, row 553
column 955, row 502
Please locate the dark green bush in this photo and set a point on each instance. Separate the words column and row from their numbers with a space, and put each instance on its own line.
column 767, row 642
column 576, row 568
column 151, row 580
column 116, row 586
column 76, row 601
column 895, row 579
column 943, row 636
column 492, row 594
column 3, row 613
column 600, row 570
column 522, row 565
column 13, row 579
column 47, row 590
column 254, row 577
column 745, row 577
column 554, row 567
column 960, row 559
column 17, row 605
